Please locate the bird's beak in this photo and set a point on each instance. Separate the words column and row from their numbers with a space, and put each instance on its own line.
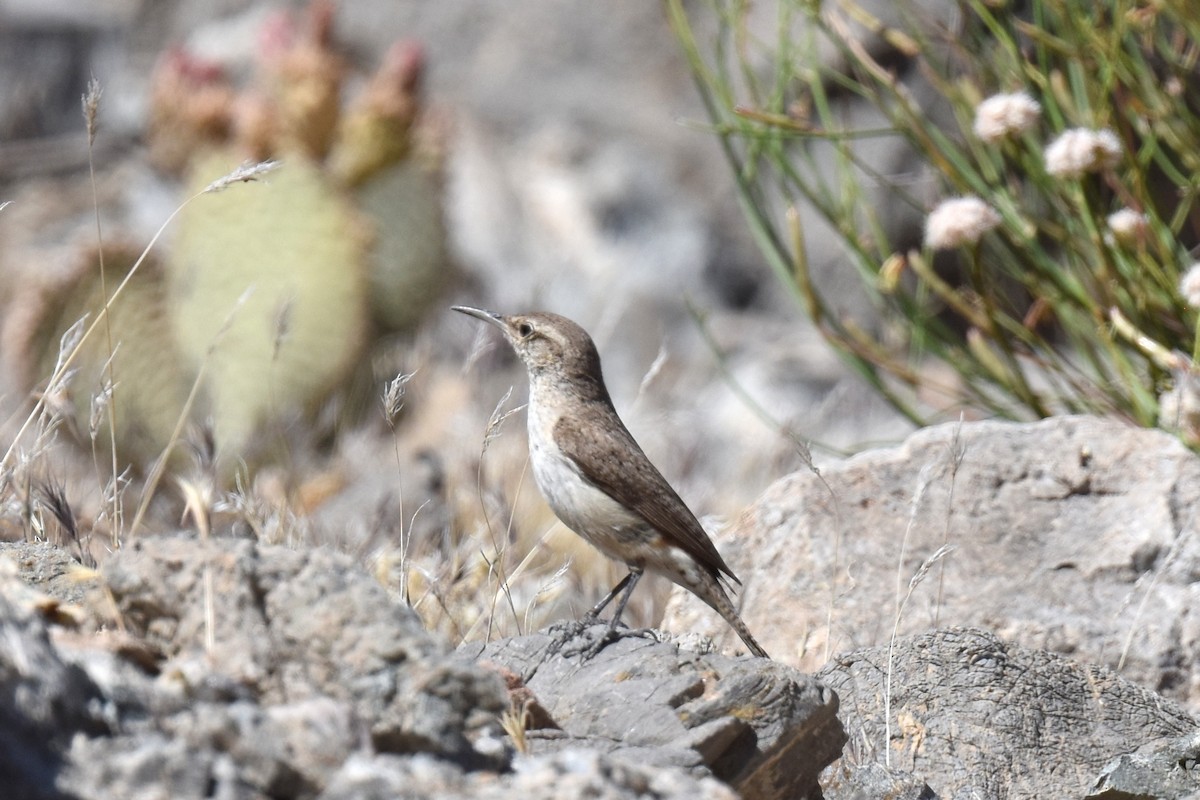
column 479, row 313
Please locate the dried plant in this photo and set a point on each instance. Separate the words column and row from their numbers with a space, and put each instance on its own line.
column 934, row 558
column 53, row 497
column 515, row 722
column 393, row 404
column 91, row 113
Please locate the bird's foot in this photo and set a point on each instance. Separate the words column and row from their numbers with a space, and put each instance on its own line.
column 586, row 643
column 566, row 631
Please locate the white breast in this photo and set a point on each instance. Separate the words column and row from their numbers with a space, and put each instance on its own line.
column 582, row 507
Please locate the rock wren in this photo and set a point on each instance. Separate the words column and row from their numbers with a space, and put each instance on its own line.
column 596, row 478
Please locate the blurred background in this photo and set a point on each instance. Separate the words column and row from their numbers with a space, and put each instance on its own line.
column 540, row 155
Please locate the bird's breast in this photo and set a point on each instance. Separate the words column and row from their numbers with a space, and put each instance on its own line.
column 581, row 506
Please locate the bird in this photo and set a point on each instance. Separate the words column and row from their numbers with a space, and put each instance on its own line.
column 596, row 478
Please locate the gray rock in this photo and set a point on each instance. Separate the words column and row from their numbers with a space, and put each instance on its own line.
column 1075, row 534
column 309, row 663
column 309, row 682
column 151, row 766
column 976, row 717
column 871, row 780
column 762, row 727
column 50, row 569
column 44, row 702
column 569, row 773
column 298, row 625
column 1168, row 769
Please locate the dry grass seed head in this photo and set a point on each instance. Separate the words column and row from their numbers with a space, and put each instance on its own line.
column 497, row 419
column 515, row 722
column 53, row 497
column 393, row 396
column 100, row 402
column 246, row 173
column 91, row 108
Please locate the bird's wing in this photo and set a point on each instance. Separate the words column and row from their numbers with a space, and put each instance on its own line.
column 617, row 466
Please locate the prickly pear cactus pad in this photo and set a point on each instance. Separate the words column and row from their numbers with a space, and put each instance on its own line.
column 150, row 383
column 410, row 265
column 268, row 294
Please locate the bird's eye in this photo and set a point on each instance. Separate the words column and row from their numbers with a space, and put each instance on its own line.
column 525, row 330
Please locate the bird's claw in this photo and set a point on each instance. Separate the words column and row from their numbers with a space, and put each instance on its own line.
column 593, row 644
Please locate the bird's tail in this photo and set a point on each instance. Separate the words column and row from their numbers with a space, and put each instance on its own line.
column 709, row 589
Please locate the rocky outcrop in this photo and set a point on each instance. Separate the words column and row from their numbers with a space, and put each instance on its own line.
column 226, row 668
column 1166, row 768
column 764, row 728
column 973, row 716
column 1076, row 535
column 248, row 671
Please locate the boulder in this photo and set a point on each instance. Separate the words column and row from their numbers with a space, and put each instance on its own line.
column 764, row 728
column 1076, row 535
column 973, row 716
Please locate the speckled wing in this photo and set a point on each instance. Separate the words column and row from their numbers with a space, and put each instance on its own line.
column 616, row 465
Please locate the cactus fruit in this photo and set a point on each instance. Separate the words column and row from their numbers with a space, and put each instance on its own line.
column 376, row 132
column 267, row 294
column 191, row 108
column 304, row 79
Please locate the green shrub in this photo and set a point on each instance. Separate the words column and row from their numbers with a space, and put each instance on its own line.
column 1065, row 138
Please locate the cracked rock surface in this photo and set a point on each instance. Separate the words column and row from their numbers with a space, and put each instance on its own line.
column 251, row 671
column 763, row 727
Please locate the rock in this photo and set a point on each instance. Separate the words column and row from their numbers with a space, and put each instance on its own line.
column 762, row 727
column 295, row 625
column 50, row 579
column 309, row 663
column 570, row 773
column 248, row 671
column 44, row 701
column 870, row 780
column 1167, row 768
column 976, row 717
column 305, row 680
column 1073, row 534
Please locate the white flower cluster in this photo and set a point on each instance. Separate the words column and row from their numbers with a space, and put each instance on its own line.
column 1082, row 150
column 1127, row 227
column 1076, row 152
column 960, row 221
column 1189, row 286
column 1005, row 115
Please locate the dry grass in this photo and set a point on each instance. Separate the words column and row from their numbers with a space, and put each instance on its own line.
column 945, row 468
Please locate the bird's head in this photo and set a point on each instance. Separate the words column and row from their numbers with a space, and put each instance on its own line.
column 548, row 344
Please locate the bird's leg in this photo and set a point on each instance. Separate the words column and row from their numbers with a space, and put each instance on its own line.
column 635, row 575
column 611, row 634
column 571, row 630
column 594, row 614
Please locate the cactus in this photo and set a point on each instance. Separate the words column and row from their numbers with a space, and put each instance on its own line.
column 410, row 267
column 267, row 294
column 344, row 242
column 396, row 182
column 151, row 385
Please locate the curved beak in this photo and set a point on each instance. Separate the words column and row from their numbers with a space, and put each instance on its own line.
column 479, row 313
